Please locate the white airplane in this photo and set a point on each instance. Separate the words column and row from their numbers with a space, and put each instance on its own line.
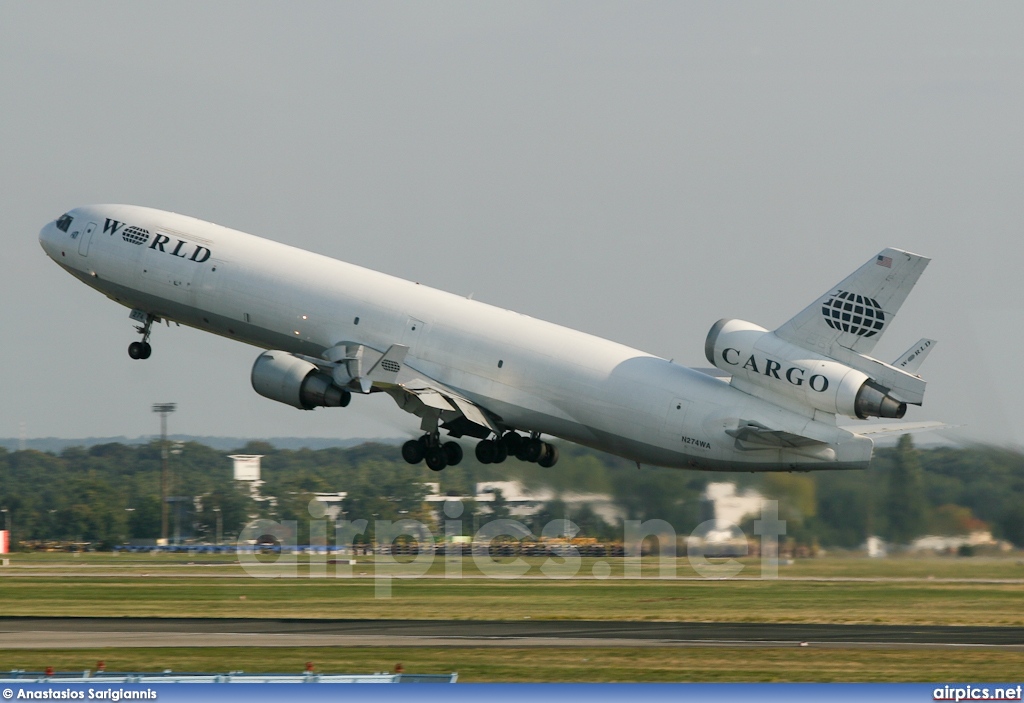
column 474, row 370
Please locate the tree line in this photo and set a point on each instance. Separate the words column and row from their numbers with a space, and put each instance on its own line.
column 110, row 493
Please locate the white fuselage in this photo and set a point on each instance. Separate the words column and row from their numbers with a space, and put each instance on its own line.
column 534, row 375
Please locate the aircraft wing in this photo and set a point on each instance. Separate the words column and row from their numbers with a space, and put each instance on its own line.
column 414, row 392
column 436, row 395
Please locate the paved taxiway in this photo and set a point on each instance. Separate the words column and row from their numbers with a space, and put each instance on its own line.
column 60, row 633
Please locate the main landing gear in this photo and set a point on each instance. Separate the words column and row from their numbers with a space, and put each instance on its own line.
column 142, row 350
column 438, row 455
column 429, row 448
column 531, row 449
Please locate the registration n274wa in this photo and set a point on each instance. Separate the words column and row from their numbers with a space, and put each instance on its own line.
column 333, row 331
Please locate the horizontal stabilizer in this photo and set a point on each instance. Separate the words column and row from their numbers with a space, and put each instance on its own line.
column 911, row 360
column 896, row 428
column 755, row 434
column 902, row 385
column 854, row 314
column 712, row 371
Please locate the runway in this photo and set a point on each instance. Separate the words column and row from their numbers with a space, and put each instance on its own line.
column 78, row 633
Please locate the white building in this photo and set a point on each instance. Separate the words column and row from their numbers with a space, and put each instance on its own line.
column 949, row 543
column 247, row 470
column 523, row 502
column 875, row 547
column 726, row 507
column 332, row 504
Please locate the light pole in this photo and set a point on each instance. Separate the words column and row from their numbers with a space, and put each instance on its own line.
column 219, row 523
column 129, row 525
column 164, row 409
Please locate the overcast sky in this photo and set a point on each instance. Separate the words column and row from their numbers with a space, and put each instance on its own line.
column 633, row 170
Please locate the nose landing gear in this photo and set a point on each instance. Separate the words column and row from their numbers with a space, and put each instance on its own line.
column 142, row 350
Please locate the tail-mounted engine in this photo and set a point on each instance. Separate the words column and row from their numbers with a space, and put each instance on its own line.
column 753, row 355
column 287, row 379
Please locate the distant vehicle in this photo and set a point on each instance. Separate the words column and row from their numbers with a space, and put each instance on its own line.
column 334, row 330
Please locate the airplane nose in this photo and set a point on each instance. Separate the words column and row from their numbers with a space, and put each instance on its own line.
column 46, row 236
column 48, row 239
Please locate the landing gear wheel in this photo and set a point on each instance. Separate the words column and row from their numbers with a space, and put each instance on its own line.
column 512, row 440
column 550, row 457
column 485, row 451
column 147, row 350
column 500, row 453
column 530, row 450
column 452, row 453
column 136, row 350
column 436, row 459
column 413, row 451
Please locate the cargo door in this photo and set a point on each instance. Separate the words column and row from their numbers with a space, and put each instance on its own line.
column 85, row 238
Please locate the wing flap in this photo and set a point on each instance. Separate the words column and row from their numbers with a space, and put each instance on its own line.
column 430, row 398
column 473, row 413
column 436, row 395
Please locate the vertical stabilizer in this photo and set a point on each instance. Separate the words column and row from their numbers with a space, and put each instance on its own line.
column 855, row 313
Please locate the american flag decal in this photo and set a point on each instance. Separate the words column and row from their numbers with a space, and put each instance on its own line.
column 885, row 261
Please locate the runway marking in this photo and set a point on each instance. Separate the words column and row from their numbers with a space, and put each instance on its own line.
column 115, row 640
column 79, row 633
column 162, row 571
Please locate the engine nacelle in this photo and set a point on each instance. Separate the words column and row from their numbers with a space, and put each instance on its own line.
column 754, row 354
column 287, row 379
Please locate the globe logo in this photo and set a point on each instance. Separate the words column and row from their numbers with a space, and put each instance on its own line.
column 135, row 235
column 857, row 314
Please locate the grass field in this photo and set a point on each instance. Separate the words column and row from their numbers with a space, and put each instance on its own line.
column 1011, row 568
column 919, row 603
column 921, row 592
column 937, row 591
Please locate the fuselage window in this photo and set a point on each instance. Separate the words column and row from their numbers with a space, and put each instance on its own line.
column 64, row 222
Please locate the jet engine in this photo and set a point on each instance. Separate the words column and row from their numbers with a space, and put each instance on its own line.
column 288, row 379
column 755, row 356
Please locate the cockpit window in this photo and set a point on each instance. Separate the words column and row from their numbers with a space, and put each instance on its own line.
column 63, row 222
